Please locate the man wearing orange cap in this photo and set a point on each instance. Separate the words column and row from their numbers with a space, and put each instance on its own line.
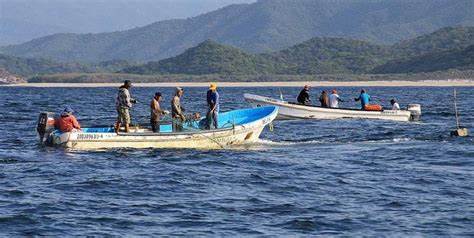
column 213, row 107
column 334, row 99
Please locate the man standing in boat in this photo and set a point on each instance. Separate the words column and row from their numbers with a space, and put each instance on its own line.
column 177, row 111
column 324, row 99
column 303, row 97
column 124, row 103
column 213, row 107
column 364, row 99
column 334, row 99
column 156, row 112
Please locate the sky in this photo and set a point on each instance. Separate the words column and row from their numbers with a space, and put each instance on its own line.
column 21, row 20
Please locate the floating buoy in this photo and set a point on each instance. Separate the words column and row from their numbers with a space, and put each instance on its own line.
column 460, row 131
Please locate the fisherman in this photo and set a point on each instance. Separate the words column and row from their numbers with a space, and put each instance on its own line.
column 177, row 111
column 364, row 99
column 303, row 97
column 67, row 122
column 124, row 103
column 213, row 107
column 395, row 105
column 324, row 99
column 156, row 112
column 334, row 99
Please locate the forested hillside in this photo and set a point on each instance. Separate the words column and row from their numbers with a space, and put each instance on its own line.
column 444, row 49
column 448, row 38
column 441, row 50
column 329, row 55
column 207, row 58
column 461, row 59
column 264, row 26
column 38, row 66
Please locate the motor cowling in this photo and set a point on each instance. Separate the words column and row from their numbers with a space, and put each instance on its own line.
column 415, row 111
column 45, row 125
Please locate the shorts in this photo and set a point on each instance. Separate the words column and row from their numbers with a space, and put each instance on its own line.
column 123, row 115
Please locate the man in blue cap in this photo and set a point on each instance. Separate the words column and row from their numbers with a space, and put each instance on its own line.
column 67, row 122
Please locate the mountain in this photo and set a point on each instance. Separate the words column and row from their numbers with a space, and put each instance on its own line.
column 29, row 66
column 208, row 57
column 323, row 56
column 330, row 55
column 461, row 59
column 18, row 31
column 447, row 48
column 448, row 38
column 21, row 21
column 264, row 26
column 316, row 56
column 38, row 66
column 8, row 78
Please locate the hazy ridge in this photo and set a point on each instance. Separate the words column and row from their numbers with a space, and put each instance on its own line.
column 264, row 26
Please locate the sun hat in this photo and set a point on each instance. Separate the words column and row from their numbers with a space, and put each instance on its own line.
column 213, row 86
column 67, row 111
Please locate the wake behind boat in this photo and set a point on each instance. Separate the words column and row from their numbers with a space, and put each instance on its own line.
column 288, row 110
column 238, row 127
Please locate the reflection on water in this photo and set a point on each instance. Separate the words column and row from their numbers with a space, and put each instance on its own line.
column 342, row 177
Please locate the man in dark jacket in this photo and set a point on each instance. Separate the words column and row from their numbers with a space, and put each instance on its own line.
column 303, row 97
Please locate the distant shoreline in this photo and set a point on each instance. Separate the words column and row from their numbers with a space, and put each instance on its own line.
column 397, row 83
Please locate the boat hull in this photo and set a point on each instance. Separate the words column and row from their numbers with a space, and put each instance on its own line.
column 143, row 138
column 295, row 111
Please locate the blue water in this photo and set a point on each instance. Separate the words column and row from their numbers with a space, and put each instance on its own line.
column 335, row 178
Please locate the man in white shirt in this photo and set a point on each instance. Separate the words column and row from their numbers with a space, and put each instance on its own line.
column 334, row 99
column 395, row 105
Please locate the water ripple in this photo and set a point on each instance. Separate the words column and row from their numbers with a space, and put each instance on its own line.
column 306, row 178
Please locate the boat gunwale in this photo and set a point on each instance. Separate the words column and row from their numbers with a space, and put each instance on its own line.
column 195, row 131
column 322, row 109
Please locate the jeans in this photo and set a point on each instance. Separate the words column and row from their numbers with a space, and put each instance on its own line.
column 212, row 119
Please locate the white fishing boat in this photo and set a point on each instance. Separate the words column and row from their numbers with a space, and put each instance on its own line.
column 288, row 110
column 235, row 127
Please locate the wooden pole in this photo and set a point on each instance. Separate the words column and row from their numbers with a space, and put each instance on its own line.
column 456, row 109
column 459, row 131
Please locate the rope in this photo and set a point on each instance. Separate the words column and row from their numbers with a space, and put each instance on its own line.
column 191, row 128
column 199, row 130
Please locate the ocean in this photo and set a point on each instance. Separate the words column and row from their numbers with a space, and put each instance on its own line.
column 304, row 178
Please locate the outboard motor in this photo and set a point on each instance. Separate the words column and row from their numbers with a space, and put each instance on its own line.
column 44, row 126
column 415, row 110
